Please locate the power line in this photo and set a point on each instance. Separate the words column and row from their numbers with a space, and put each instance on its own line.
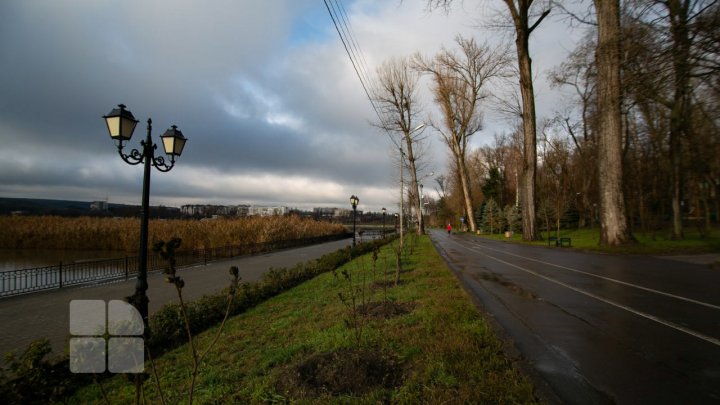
column 360, row 57
column 335, row 18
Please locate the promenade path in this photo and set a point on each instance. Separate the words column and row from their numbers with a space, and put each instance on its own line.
column 46, row 314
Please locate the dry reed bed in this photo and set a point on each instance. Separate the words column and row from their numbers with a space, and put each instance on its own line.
column 122, row 234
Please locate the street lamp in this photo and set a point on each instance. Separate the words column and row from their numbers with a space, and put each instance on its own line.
column 354, row 202
column 422, row 210
column 121, row 124
column 384, row 211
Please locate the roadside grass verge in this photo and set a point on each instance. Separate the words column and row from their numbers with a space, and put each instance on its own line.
column 655, row 243
column 445, row 351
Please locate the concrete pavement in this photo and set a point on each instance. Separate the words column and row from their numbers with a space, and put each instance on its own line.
column 45, row 314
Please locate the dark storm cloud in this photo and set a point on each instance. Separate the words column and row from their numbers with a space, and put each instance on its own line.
column 263, row 90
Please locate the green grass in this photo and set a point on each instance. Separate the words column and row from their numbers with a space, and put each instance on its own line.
column 657, row 243
column 448, row 352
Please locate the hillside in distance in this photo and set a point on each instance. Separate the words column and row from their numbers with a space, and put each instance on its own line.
column 37, row 206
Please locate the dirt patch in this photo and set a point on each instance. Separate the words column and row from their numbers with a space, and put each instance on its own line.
column 342, row 372
column 386, row 309
column 382, row 284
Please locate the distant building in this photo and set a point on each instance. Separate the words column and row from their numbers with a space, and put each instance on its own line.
column 344, row 212
column 267, row 211
column 324, row 213
column 192, row 210
column 99, row 206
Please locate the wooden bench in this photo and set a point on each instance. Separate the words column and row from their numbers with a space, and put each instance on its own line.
column 559, row 242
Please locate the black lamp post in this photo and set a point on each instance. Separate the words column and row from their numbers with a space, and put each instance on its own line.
column 121, row 124
column 384, row 211
column 354, row 202
column 422, row 209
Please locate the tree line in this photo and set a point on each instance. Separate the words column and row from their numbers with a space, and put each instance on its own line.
column 633, row 147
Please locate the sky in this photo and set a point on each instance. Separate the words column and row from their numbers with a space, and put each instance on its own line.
column 263, row 90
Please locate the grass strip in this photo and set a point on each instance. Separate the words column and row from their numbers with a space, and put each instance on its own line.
column 447, row 352
column 650, row 243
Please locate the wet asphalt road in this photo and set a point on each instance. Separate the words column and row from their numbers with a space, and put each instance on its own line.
column 599, row 328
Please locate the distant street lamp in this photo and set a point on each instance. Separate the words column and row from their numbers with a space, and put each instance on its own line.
column 422, row 208
column 384, row 211
column 354, row 202
column 121, row 124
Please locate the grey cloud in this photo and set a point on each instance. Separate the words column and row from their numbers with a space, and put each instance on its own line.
column 258, row 87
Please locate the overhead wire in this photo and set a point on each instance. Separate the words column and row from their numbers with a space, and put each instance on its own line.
column 360, row 56
column 345, row 42
column 338, row 15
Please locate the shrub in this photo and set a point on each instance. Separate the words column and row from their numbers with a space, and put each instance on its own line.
column 32, row 378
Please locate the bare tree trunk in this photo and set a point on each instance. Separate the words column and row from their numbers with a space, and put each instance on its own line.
column 614, row 229
column 520, row 13
column 467, row 197
column 415, row 195
column 680, row 113
column 530, row 141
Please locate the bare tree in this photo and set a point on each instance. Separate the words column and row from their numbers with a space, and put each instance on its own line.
column 458, row 82
column 679, row 35
column 579, row 74
column 522, row 14
column 613, row 218
column 520, row 11
column 441, row 181
column 399, row 108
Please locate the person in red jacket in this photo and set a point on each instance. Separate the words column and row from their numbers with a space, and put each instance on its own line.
column 449, row 228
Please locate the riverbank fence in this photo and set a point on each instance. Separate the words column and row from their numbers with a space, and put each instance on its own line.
column 24, row 281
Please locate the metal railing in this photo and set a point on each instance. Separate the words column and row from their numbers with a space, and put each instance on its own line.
column 16, row 282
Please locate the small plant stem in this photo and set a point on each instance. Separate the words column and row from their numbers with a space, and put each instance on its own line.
column 222, row 324
column 155, row 375
column 138, row 388
column 102, row 389
column 193, row 350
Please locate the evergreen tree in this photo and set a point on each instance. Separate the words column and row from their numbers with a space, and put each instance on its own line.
column 513, row 218
column 493, row 220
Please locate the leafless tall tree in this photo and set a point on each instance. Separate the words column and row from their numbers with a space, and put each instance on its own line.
column 613, row 217
column 399, row 109
column 520, row 11
column 526, row 16
column 458, row 81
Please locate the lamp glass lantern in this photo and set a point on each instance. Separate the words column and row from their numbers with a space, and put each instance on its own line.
column 173, row 141
column 121, row 123
column 354, row 201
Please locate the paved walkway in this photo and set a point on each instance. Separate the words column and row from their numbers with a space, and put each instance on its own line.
column 45, row 314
